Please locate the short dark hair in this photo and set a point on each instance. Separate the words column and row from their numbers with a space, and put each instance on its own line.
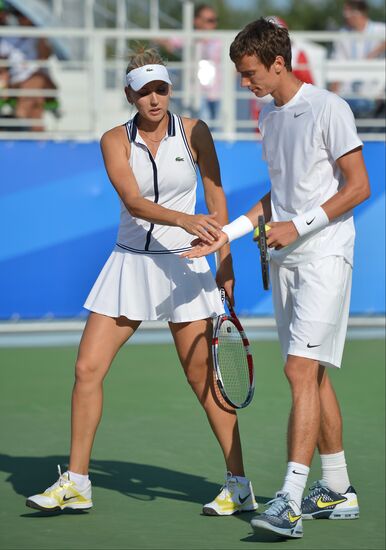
column 360, row 5
column 265, row 40
column 201, row 7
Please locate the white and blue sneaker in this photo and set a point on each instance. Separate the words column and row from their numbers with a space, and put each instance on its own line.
column 235, row 496
column 323, row 503
column 282, row 517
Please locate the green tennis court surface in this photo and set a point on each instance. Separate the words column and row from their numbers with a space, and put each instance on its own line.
column 155, row 461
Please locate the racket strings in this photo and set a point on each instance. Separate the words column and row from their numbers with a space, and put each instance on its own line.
column 233, row 363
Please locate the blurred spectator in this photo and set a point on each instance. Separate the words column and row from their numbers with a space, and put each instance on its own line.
column 5, row 108
column 355, row 14
column 208, row 54
column 24, row 75
column 206, row 83
column 9, row 57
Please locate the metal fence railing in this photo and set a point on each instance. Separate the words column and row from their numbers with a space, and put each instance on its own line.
column 89, row 99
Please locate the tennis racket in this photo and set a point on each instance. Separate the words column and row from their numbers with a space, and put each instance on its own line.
column 232, row 361
column 261, row 237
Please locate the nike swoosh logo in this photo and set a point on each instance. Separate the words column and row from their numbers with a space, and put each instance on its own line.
column 315, row 346
column 296, row 115
column 67, row 498
column 243, row 499
column 322, row 504
column 309, row 223
column 298, row 473
column 292, row 518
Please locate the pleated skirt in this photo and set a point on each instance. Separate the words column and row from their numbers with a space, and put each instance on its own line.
column 150, row 287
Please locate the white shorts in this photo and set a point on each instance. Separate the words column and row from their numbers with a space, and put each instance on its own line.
column 311, row 304
column 147, row 287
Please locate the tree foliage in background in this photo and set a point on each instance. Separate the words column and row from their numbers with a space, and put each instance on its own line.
column 310, row 15
column 300, row 14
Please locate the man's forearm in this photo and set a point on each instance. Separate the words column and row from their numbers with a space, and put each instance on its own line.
column 263, row 207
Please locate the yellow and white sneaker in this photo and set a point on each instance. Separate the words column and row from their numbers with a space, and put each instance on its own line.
column 235, row 497
column 62, row 495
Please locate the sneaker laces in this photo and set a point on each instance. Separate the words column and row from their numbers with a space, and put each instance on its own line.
column 63, row 479
column 276, row 506
column 315, row 489
column 229, row 486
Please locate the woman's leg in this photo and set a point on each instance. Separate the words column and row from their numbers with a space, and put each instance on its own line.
column 193, row 343
column 101, row 340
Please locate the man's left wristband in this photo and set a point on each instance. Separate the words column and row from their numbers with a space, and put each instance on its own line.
column 312, row 220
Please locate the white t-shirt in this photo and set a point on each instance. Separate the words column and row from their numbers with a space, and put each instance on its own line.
column 301, row 142
column 351, row 48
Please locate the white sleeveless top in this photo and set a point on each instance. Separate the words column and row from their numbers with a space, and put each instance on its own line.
column 170, row 180
column 145, row 278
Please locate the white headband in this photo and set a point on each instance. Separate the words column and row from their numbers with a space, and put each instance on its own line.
column 137, row 78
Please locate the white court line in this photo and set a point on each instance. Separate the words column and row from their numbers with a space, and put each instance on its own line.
column 68, row 333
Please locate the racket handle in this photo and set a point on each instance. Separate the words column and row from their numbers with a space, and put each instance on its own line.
column 217, row 259
column 223, row 295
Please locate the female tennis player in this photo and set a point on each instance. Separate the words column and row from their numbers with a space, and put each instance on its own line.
column 151, row 162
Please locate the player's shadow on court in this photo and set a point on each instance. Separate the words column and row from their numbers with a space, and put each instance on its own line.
column 144, row 482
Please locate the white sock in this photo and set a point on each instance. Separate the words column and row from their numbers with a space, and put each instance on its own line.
column 242, row 479
column 295, row 481
column 81, row 480
column 334, row 472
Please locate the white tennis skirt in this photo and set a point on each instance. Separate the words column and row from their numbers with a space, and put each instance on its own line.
column 150, row 287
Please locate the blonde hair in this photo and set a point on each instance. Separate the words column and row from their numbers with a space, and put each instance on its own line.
column 144, row 56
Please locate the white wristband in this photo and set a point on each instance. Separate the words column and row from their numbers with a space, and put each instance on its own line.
column 310, row 221
column 238, row 228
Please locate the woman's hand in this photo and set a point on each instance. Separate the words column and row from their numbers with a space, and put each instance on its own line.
column 225, row 277
column 200, row 248
column 203, row 226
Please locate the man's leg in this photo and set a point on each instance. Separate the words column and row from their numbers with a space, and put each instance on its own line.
column 335, row 484
column 330, row 435
column 304, row 421
column 332, row 497
column 284, row 516
column 315, row 419
column 303, row 424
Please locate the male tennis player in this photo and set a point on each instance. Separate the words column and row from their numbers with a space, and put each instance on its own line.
column 317, row 177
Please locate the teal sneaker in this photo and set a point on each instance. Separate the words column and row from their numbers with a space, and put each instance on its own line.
column 323, row 503
column 283, row 517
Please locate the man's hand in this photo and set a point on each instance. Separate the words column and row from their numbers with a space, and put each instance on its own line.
column 200, row 248
column 281, row 234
